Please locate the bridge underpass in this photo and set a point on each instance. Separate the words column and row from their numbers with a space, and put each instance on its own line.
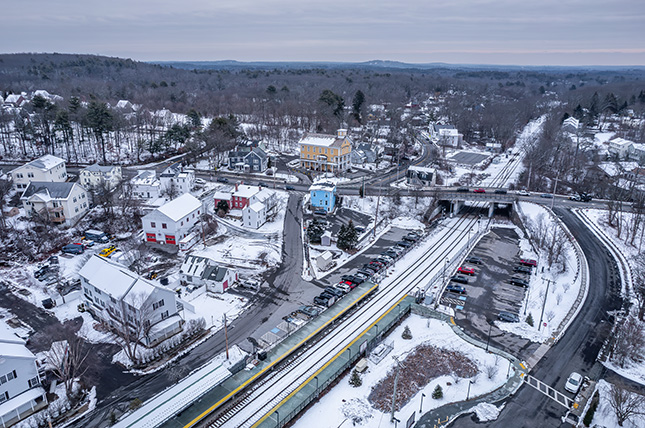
column 492, row 203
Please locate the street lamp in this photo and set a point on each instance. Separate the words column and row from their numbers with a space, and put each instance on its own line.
column 421, row 406
column 316, row 377
column 490, row 326
column 470, row 382
column 278, row 423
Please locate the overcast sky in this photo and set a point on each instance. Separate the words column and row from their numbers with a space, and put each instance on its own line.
column 533, row 32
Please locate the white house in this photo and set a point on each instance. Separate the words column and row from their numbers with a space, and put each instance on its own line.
column 421, row 176
column 450, row 137
column 45, row 168
column 637, row 153
column 571, row 124
column 20, row 390
column 254, row 215
column 125, row 106
column 15, row 100
column 113, row 294
column 177, row 181
column 95, row 175
column 203, row 271
column 325, row 260
column 146, row 185
column 59, row 202
column 173, row 221
column 620, row 147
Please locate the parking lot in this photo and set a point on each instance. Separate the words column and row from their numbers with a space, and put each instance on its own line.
column 490, row 292
column 468, row 158
column 341, row 217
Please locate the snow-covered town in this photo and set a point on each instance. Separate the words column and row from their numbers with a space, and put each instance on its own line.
column 321, row 243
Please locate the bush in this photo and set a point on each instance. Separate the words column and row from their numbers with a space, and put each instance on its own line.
column 529, row 320
column 407, row 334
column 437, row 394
column 135, row 404
column 112, row 418
column 592, row 409
column 355, row 380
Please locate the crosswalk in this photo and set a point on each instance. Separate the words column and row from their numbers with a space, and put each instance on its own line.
column 450, row 299
column 553, row 394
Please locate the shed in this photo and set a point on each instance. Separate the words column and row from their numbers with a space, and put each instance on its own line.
column 324, row 260
column 325, row 239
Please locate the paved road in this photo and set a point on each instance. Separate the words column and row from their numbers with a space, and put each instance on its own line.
column 576, row 351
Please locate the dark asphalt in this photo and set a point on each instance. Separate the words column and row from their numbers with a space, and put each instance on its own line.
column 576, row 351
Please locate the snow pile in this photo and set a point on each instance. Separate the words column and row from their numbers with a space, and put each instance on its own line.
column 487, row 412
column 407, row 223
column 358, row 411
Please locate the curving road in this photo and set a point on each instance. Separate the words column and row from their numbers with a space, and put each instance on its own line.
column 578, row 348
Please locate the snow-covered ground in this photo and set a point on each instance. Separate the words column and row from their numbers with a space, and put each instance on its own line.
column 605, row 415
column 344, row 402
column 562, row 289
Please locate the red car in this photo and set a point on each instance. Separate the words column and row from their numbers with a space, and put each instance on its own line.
column 480, row 190
column 351, row 285
column 466, row 271
column 528, row 262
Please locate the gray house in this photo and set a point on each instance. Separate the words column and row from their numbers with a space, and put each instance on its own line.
column 256, row 160
column 236, row 157
column 421, row 176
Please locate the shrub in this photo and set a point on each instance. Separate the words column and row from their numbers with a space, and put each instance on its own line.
column 355, row 380
column 407, row 334
column 135, row 404
column 592, row 409
column 437, row 394
column 529, row 320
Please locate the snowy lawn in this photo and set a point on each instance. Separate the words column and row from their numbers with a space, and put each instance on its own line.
column 605, row 415
column 562, row 289
column 345, row 402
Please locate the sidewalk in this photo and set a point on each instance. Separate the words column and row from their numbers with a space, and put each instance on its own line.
column 448, row 412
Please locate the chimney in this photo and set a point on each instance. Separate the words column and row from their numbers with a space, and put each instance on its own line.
column 341, row 133
column 236, row 184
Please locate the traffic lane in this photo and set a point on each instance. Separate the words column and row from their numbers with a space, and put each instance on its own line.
column 578, row 349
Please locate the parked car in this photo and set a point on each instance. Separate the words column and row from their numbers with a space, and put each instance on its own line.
column 528, row 262
column 524, row 193
column 519, row 281
column 465, row 270
column 370, row 268
column 262, row 184
column 323, row 301
column 479, row 190
column 501, row 191
column 404, row 244
column 522, row 269
column 73, row 249
column 460, row 278
column 41, row 272
column 343, row 287
column 368, row 273
column 573, row 383
column 474, row 260
column 508, row 317
column 52, row 260
column 320, row 212
column 360, row 275
column 96, row 236
column 359, row 229
column 456, row 289
column 463, row 190
column 546, row 196
column 334, row 291
column 329, row 296
column 289, row 187
column 87, row 243
column 392, row 254
column 412, row 236
column 222, row 180
column 309, row 311
column 107, row 252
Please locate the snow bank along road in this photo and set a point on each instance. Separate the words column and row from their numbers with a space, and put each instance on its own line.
column 261, row 399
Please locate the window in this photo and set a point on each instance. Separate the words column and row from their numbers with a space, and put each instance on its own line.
column 164, row 315
column 34, row 382
column 75, row 209
column 164, row 226
column 187, row 219
column 112, row 299
column 182, row 223
column 157, row 305
column 152, row 224
column 74, row 199
column 19, row 175
column 4, row 397
column 30, row 174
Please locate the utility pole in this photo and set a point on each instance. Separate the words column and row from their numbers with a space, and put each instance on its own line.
column 378, row 201
column 548, row 282
column 396, row 379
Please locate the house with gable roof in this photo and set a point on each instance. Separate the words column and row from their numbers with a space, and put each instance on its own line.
column 95, row 175
column 203, row 271
column 175, row 179
column 45, row 168
column 146, row 185
column 20, row 391
column 59, row 202
column 116, row 296
column 322, row 152
column 322, row 195
column 172, row 221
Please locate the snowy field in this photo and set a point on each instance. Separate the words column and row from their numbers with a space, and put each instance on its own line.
column 562, row 289
column 344, row 403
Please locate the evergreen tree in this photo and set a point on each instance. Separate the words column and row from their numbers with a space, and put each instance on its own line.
column 357, row 106
column 594, row 106
column 355, row 380
column 407, row 334
column 347, row 237
column 315, row 231
column 437, row 394
column 529, row 320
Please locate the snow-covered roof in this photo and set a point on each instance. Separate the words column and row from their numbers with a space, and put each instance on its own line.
column 425, row 169
column 451, row 132
column 20, row 400
column 47, row 190
column 571, row 121
column 327, row 255
column 98, row 168
column 123, row 104
column 219, row 195
column 7, row 336
column 11, row 345
column 245, row 191
column 44, row 163
column 116, row 280
column 146, row 177
column 13, row 98
column 620, row 142
column 264, row 194
column 180, row 207
column 323, row 140
column 323, row 185
column 257, row 207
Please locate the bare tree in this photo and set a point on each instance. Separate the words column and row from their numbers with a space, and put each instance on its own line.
column 638, row 282
column 132, row 319
column 67, row 359
column 629, row 341
column 626, row 403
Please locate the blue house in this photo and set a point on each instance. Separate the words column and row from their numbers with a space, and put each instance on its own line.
column 323, row 196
